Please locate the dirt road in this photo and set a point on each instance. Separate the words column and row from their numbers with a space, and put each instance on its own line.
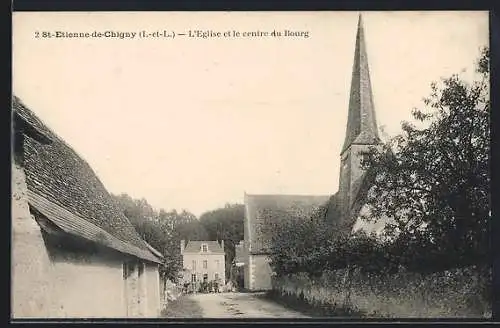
column 241, row 305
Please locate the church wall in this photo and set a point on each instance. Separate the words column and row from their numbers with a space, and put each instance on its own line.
column 260, row 273
column 356, row 169
column 247, row 271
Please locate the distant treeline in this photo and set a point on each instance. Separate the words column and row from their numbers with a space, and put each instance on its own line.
column 164, row 230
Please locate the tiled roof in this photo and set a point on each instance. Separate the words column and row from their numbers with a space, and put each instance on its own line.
column 155, row 251
column 194, row 246
column 260, row 208
column 57, row 175
column 77, row 226
column 35, row 127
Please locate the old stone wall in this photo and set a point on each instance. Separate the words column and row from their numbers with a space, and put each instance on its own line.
column 455, row 293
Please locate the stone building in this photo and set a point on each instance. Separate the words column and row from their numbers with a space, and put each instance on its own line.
column 203, row 261
column 74, row 253
column 239, row 254
column 344, row 208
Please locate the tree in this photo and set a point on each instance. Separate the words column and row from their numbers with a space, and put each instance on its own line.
column 189, row 227
column 298, row 239
column 162, row 230
column 225, row 224
column 434, row 181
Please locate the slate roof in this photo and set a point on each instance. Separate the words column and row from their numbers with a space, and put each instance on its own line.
column 63, row 187
column 361, row 120
column 194, row 246
column 260, row 208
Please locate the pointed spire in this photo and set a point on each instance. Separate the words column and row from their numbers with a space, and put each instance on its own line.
column 361, row 121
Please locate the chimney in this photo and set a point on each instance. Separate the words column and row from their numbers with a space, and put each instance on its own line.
column 182, row 245
column 222, row 244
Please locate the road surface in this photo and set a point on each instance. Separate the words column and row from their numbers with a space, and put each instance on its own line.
column 241, row 305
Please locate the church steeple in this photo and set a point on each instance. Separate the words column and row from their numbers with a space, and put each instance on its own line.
column 361, row 133
column 361, row 121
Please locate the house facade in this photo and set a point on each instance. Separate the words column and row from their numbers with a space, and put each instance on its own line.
column 74, row 253
column 344, row 208
column 203, row 261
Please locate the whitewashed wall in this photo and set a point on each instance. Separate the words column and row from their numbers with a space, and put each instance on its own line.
column 56, row 283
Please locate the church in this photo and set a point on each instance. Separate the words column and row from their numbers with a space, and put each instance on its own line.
column 344, row 208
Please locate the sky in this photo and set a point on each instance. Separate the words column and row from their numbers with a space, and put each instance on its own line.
column 194, row 123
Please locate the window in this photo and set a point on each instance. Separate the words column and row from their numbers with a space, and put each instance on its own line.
column 204, row 248
column 194, row 265
column 216, row 276
column 205, row 264
column 193, row 277
column 217, row 264
column 205, row 277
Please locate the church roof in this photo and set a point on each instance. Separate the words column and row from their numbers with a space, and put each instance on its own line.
column 64, row 188
column 194, row 246
column 261, row 208
column 361, row 120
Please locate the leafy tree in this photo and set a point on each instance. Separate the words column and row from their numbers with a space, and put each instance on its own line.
column 433, row 181
column 225, row 224
column 189, row 227
column 298, row 241
column 162, row 230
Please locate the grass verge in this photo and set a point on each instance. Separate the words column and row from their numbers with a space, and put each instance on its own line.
column 183, row 307
column 316, row 310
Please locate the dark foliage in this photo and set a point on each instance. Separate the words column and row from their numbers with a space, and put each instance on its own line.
column 225, row 224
